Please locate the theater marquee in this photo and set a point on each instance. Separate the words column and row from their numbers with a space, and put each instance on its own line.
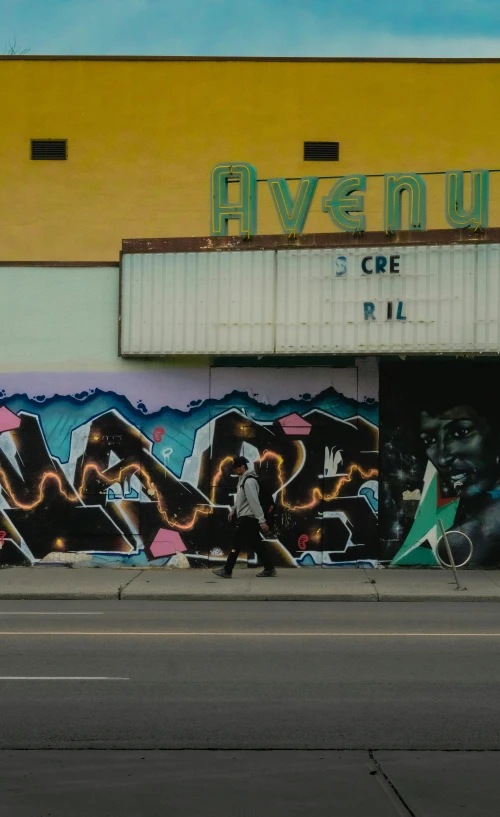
column 411, row 299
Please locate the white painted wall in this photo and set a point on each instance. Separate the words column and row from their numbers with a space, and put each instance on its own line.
column 63, row 319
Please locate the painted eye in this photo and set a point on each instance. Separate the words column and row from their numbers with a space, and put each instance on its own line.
column 460, row 433
column 428, row 440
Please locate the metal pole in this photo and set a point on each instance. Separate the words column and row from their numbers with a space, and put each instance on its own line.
column 450, row 555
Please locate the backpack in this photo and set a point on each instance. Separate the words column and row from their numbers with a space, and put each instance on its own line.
column 266, row 500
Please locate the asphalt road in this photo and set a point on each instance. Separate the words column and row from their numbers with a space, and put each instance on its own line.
column 227, row 675
column 334, row 692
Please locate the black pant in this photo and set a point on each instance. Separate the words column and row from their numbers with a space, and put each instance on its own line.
column 247, row 535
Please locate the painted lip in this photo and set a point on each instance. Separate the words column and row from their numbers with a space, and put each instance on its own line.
column 460, row 479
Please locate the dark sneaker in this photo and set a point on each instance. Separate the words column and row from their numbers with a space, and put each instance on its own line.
column 267, row 574
column 222, row 572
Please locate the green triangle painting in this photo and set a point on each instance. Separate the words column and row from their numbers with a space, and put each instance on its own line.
column 425, row 531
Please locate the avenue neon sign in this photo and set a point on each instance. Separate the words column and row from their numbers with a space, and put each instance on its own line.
column 344, row 204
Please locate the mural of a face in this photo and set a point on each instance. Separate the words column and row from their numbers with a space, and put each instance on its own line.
column 463, row 447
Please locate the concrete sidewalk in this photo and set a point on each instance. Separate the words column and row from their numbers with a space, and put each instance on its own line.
column 305, row 584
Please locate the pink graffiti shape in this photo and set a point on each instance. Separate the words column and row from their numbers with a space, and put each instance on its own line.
column 302, row 541
column 8, row 420
column 166, row 543
column 295, row 425
column 3, row 534
column 158, row 434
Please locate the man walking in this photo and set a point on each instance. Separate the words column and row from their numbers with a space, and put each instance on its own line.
column 250, row 520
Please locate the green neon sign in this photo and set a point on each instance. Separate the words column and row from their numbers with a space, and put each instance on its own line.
column 476, row 215
column 245, row 209
column 233, row 195
column 395, row 186
column 346, row 210
column 292, row 212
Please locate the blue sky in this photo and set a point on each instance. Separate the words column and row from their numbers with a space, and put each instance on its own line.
column 441, row 28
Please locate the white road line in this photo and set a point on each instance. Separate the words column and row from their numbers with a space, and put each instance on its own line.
column 60, row 678
column 240, row 634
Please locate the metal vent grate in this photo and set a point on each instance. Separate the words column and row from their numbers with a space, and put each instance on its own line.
column 321, row 151
column 49, row 149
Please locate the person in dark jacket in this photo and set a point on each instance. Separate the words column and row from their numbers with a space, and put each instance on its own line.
column 250, row 521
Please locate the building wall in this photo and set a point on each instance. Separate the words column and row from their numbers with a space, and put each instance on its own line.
column 143, row 136
column 58, row 318
column 105, row 460
column 111, row 460
column 65, row 319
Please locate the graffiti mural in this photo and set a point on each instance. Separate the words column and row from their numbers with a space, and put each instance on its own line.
column 440, row 461
column 138, row 472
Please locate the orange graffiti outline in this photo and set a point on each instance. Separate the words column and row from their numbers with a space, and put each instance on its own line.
column 29, row 507
column 316, row 496
column 204, row 511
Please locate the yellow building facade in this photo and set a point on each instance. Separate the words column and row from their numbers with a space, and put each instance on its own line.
column 144, row 134
column 291, row 261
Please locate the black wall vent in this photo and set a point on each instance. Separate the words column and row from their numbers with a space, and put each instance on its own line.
column 321, row 151
column 49, row 149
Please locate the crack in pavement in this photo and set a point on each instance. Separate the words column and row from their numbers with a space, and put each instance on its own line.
column 389, row 788
column 372, row 582
column 123, row 586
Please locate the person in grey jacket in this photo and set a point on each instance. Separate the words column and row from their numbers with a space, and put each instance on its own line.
column 250, row 521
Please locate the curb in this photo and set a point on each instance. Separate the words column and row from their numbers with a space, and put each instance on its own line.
column 285, row 597
column 241, row 597
column 38, row 595
column 453, row 597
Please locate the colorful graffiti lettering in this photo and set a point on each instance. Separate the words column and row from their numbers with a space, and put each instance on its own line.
column 115, row 496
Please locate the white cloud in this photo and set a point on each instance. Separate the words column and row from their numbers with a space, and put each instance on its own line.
column 250, row 28
column 363, row 44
